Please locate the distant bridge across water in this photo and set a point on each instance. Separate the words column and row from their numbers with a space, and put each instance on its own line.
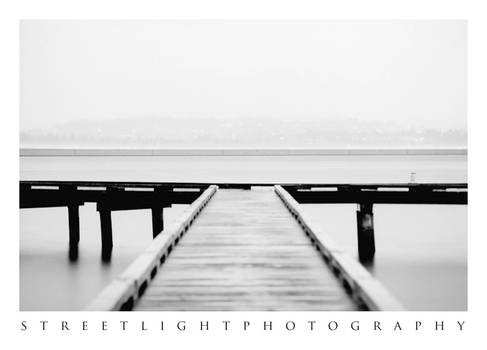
column 240, row 246
column 87, row 152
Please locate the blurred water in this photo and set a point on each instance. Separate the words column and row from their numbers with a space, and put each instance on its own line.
column 421, row 249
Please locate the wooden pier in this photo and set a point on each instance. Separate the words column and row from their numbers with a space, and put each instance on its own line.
column 239, row 246
column 245, row 252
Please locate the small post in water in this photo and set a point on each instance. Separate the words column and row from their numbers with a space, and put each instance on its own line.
column 365, row 233
column 73, row 216
column 106, row 233
column 157, row 220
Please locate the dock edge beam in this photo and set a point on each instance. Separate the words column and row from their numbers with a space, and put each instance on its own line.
column 122, row 293
column 362, row 286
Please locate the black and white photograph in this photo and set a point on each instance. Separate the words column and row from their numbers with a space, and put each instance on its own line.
column 267, row 174
column 243, row 165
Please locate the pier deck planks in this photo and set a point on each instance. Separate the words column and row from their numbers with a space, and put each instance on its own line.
column 245, row 252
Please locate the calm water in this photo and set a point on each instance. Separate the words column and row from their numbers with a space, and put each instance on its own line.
column 421, row 249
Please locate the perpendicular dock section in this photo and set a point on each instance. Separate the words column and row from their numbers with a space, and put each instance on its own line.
column 362, row 286
column 109, row 197
column 123, row 292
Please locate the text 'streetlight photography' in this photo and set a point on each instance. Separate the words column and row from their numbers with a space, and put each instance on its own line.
column 243, row 165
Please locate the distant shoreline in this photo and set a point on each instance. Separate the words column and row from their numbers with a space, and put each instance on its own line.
column 71, row 152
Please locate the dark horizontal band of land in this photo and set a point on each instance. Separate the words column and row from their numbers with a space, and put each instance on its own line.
column 54, row 152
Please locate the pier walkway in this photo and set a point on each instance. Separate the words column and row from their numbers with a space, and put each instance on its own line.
column 245, row 252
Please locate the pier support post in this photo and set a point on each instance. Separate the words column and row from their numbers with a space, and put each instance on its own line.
column 73, row 218
column 365, row 233
column 157, row 220
column 106, row 233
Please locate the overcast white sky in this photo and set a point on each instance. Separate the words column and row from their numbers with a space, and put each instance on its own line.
column 406, row 71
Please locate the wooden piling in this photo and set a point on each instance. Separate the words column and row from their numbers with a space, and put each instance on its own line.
column 73, row 215
column 157, row 220
column 365, row 233
column 106, row 233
